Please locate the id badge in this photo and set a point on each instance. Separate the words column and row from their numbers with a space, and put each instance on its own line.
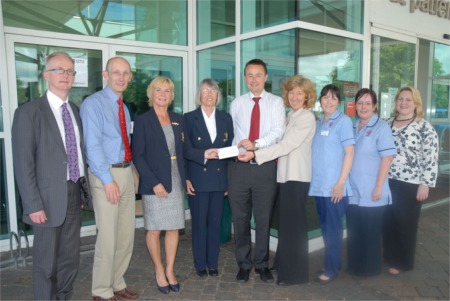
column 324, row 133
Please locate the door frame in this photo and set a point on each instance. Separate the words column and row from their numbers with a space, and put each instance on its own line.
column 109, row 48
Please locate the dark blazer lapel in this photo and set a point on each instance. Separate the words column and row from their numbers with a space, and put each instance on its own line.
column 156, row 126
column 47, row 114
column 222, row 134
column 201, row 127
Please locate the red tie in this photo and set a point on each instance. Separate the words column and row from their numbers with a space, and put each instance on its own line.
column 254, row 122
column 123, row 129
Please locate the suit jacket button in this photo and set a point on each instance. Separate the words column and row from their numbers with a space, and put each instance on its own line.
column 218, row 169
column 204, row 169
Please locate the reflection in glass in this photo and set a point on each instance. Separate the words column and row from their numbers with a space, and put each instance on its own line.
column 219, row 64
column 329, row 59
column 340, row 14
column 148, row 21
column 145, row 67
column 30, row 66
column 1, row 111
column 278, row 52
column 216, row 20
column 257, row 14
column 4, row 218
column 392, row 67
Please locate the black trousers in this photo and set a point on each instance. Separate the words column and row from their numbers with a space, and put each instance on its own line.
column 292, row 258
column 252, row 189
column 400, row 223
column 364, row 226
column 56, row 252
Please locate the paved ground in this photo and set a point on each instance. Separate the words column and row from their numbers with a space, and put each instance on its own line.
column 429, row 280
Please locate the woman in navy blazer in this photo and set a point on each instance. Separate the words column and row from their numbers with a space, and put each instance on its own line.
column 158, row 140
column 207, row 130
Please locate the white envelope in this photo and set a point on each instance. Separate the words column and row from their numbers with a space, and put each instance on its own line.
column 228, row 152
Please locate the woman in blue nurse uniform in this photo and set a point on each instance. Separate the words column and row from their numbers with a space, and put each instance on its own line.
column 332, row 160
column 374, row 151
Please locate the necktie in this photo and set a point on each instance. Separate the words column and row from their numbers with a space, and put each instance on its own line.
column 71, row 144
column 123, row 129
column 254, row 122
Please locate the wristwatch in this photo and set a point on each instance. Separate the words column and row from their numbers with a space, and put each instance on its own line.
column 256, row 144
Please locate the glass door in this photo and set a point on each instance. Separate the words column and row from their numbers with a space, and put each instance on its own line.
column 146, row 64
column 392, row 67
column 27, row 66
column 90, row 58
column 434, row 83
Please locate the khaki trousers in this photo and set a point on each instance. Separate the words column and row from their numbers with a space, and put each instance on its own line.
column 115, row 233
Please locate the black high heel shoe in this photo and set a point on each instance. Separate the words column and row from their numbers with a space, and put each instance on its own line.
column 162, row 289
column 173, row 287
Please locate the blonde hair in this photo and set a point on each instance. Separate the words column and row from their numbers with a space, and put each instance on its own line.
column 416, row 98
column 303, row 83
column 156, row 83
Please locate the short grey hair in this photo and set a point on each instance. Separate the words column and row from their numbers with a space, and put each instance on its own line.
column 209, row 82
column 56, row 54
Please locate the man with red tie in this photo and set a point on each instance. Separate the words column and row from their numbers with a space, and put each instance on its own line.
column 259, row 121
column 107, row 127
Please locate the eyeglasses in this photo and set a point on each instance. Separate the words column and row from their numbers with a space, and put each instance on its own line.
column 207, row 91
column 62, row 71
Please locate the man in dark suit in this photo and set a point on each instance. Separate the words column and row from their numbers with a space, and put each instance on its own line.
column 50, row 171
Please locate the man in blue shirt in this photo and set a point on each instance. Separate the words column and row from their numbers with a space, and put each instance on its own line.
column 107, row 127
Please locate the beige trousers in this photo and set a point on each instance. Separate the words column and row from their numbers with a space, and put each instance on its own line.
column 115, row 233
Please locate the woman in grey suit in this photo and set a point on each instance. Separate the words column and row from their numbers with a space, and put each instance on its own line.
column 158, row 155
column 294, row 175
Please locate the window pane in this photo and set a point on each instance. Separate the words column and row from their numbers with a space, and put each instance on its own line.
column 145, row 68
column 440, row 82
column 329, row 59
column 257, row 14
column 215, row 20
column 340, row 14
column 219, row 64
column 4, row 218
column 392, row 65
column 149, row 21
column 278, row 52
column 30, row 66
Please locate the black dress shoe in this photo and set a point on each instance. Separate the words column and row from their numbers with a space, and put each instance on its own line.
column 174, row 287
column 243, row 275
column 201, row 273
column 264, row 274
column 213, row 272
